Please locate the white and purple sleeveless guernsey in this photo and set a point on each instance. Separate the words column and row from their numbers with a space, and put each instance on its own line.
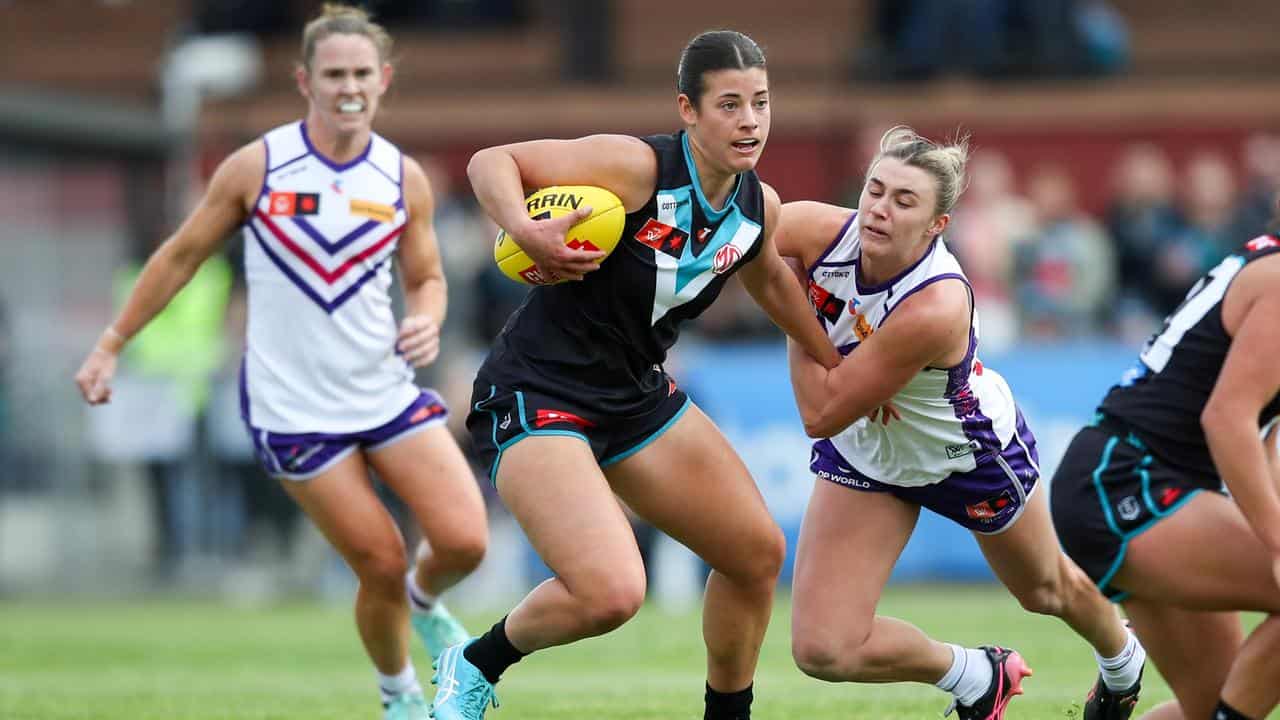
column 961, row 447
column 321, row 352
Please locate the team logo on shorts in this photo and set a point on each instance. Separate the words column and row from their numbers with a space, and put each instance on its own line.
column 1129, row 508
column 990, row 508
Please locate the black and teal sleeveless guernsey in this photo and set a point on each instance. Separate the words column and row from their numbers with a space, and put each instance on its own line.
column 1160, row 399
column 601, row 341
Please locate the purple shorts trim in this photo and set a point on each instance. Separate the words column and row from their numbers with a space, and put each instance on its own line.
column 303, row 456
column 985, row 500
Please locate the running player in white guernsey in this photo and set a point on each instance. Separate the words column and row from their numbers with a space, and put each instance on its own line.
column 911, row 419
column 327, row 382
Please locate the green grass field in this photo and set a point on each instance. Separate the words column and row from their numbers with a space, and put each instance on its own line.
column 168, row 659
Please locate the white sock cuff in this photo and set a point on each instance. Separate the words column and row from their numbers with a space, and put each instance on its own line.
column 953, row 674
column 1131, row 648
column 401, row 682
column 419, row 599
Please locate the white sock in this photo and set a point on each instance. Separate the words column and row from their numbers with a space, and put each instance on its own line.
column 970, row 675
column 1121, row 672
column 405, row 681
column 419, row 600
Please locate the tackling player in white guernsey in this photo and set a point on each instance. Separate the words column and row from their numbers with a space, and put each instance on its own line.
column 911, row 419
column 327, row 383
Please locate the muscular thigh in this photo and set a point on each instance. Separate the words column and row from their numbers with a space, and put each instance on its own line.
column 849, row 543
column 429, row 473
column 555, row 489
column 342, row 504
column 1193, row 649
column 1026, row 555
column 1204, row 556
column 691, row 485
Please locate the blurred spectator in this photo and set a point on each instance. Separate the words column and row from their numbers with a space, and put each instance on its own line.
column 448, row 14
column 988, row 222
column 6, row 409
column 1064, row 269
column 919, row 39
column 183, row 347
column 1261, row 161
column 1207, row 207
column 465, row 237
column 1141, row 219
column 212, row 17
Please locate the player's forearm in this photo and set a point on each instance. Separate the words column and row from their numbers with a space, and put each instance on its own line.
column 495, row 180
column 782, row 299
column 167, row 271
column 427, row 297
column 1241, row 460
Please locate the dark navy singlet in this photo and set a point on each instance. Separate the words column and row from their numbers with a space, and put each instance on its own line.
column 1162, row 397
column 602, row 341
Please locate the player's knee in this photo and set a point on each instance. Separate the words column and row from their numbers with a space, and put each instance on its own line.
column 612, row 602
column 1045, row 597
column 824, row 655
column 760, row 561
column 382, row 569
column 462, row 554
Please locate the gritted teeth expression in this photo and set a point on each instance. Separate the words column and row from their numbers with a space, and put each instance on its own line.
column 345, row 79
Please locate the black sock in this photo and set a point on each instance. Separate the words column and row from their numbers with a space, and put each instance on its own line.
column 1226, row 712
column 492, row 652
column 728, row 706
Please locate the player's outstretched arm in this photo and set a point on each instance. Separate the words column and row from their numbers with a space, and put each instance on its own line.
column 223, row 208
column 773, row 286
column 500, row 176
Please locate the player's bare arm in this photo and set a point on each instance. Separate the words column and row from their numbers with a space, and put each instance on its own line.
column 421, row 272
column 924, row 330
column 772, row 284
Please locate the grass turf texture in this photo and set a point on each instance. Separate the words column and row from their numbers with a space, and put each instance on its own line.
column 174, row 659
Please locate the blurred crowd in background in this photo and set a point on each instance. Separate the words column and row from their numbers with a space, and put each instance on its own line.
column 1046, row 265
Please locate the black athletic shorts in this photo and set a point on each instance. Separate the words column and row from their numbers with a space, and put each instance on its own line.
column 504, row 414
column 1109, row 489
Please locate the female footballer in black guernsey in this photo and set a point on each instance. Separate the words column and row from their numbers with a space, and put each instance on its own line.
column 572, row 406
column 1170, row 500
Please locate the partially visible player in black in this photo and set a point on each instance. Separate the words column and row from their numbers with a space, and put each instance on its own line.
column 573, row 406
column 1170, row 500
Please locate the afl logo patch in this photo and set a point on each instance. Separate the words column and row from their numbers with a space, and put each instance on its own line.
column 726, row 258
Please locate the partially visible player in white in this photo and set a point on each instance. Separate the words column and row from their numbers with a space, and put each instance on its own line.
column 912, row 419
column 327, row 383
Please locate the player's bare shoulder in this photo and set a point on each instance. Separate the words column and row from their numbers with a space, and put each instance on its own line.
column 807, row 227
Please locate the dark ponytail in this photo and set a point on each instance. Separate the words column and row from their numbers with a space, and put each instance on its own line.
column 714, row 50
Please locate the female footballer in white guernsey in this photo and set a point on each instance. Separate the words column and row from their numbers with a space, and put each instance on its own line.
column 572, row 405
column 327, row 385
column 898, row 307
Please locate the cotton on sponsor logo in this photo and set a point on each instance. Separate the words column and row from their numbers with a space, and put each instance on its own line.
column 726, row 258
